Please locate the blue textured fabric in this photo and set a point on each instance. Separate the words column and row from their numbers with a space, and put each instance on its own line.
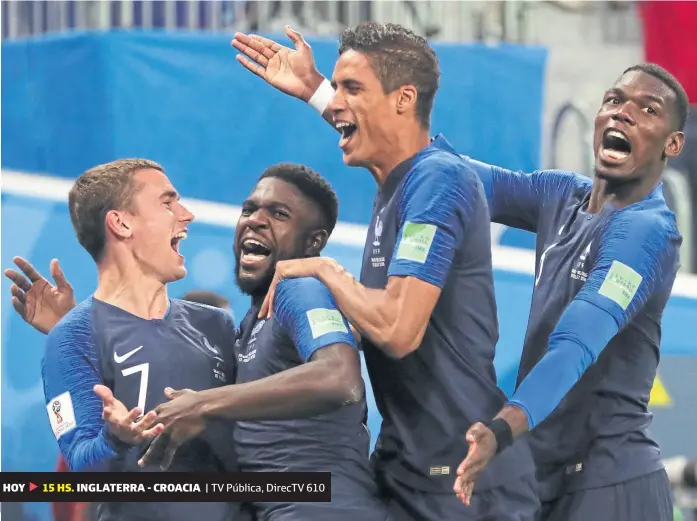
column 440, row 191
column 70, row 365
column 637, row 239
column 295, row 298
column 573, row 347
column 516, row 198
column 634, row 242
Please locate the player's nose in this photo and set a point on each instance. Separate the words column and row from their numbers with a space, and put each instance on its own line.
column 186, row 215
column 623, row 114
column 337, row 103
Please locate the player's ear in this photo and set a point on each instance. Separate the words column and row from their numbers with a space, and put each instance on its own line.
column 118, row 223
column 406, row 98
column 316, row 242
column 674, row 144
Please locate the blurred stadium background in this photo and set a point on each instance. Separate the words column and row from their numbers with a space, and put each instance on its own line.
column 88, row 82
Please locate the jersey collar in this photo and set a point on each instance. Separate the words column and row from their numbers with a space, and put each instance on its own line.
column 397, row 174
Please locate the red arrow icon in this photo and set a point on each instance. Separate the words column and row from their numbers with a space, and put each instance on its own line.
column 32, row 486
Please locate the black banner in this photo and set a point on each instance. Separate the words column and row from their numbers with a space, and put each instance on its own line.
column 101, row 487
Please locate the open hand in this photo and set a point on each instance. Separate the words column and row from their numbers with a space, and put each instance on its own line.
column 296, row 269
column 35, row 299
column 482, row 447
column 293, row 72
column 130, row 427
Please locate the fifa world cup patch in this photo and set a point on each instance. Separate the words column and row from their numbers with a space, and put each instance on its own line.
column 61, row 414
column 323, row 321
column 416, row 241
column 620, row 284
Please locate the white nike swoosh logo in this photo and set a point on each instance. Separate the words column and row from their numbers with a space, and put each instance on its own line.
column 120, row 359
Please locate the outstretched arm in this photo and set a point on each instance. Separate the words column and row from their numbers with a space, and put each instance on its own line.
column 636, row 257
column 515, row 198
column 293, row 72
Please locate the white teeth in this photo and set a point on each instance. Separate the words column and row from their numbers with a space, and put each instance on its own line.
column 618, row 135
column 181, row 236
column 343, row 124
column 252, row 242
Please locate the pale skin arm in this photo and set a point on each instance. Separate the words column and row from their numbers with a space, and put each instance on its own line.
column 393, row 319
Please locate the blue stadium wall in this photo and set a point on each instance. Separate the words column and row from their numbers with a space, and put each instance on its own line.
column 70, row 102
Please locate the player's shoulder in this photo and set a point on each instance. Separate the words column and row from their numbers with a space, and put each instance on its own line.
column 201, row 314
column 649, row 221
column 302, row 294
column 77, row 320
column 443, row 164
column 567, row 177
column 303, row 284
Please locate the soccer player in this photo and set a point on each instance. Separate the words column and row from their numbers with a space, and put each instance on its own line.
column 607, row 247
column 299, row 399
column 425, row 304
column 111, row 356
column 300, row 395
column 607, row 257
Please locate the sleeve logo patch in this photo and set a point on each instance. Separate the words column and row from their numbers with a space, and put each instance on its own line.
column 620, row 284
column 416, row 241
column 61, row 414
column 323, row 321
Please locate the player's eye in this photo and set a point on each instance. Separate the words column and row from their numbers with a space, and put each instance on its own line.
column 280, row 214
column 650, row 110
column 612, row 100
column 247, row 211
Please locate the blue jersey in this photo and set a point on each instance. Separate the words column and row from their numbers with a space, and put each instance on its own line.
column 601, row 284
column 97, row 343
column 305, row 320
column 430, row 221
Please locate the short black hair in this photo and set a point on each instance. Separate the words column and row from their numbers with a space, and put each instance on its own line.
column 682, row 103
column 399, row 57
column 312, row 185
column 210, row 298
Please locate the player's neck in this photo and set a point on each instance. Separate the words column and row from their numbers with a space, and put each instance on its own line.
column 404, row 145
column 132, row 290
column 620, row 195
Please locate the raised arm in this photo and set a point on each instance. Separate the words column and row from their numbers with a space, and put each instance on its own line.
column 35, row 299
column 293, row 72
column 516, row 198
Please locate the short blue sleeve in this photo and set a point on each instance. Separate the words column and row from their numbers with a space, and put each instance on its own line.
column 70, row 372
column 516, row 198
column 306, row 310
column 435, row 212
column 637, row 256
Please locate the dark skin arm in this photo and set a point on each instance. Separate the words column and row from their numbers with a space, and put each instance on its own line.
column 329, row 381
column 482, row 448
